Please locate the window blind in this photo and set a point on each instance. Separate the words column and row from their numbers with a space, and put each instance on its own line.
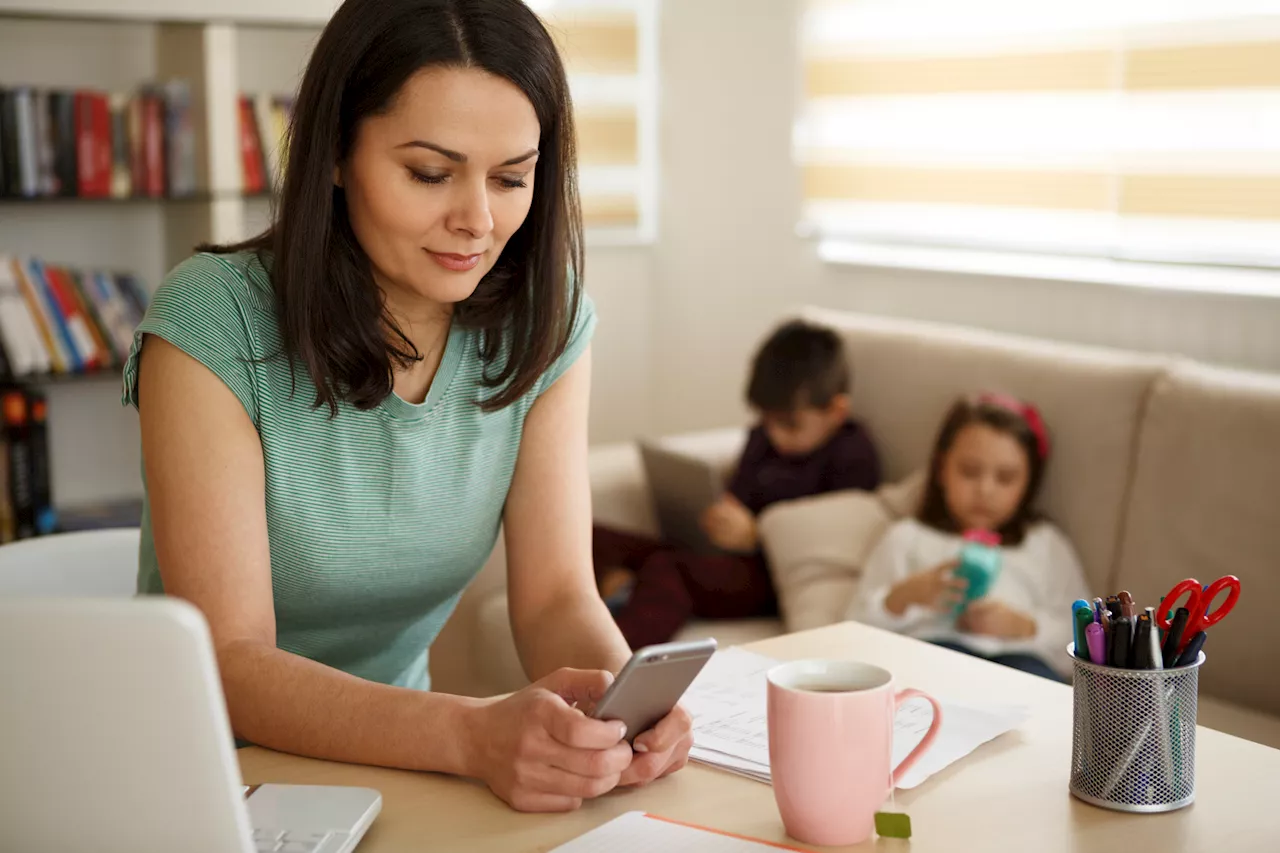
column 610, row 52
column 1131, row 129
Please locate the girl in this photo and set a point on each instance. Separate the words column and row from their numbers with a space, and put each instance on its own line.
column 985, row 472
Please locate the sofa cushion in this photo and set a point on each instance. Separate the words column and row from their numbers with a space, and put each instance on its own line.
column 906, row 375
column 1206, row 502
column 816, row 547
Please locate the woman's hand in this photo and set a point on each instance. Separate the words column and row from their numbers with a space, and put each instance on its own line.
column 937, row 589
column 730, row 525
column 539, row 753
column 996, row 619
column 662, row 750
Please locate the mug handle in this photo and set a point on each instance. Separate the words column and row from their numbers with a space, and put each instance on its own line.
column 929, row 736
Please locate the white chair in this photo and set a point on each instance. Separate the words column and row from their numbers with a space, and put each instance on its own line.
column 93, row 563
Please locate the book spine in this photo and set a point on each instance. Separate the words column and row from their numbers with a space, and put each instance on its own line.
column 8, row 531
column 137, row 145
column 63, row 131
column 121, row 159
column 43, row 112
column 111, row 312
column 153, row 144
column 14, row 405
column 44, row 517
column 73, row 317
column 17, row 312
column 250, row 148
column 28, row 146
column 59, row 344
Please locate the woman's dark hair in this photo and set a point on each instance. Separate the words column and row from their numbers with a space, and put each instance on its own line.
column 331, row 314
column 799, row 365
column 1001, row 417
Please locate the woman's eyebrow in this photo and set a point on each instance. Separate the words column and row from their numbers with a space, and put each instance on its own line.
column 459, row 157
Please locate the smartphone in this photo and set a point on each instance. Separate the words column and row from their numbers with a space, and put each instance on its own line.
column 651, row 684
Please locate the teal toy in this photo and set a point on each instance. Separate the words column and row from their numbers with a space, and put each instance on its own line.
column 979, row 565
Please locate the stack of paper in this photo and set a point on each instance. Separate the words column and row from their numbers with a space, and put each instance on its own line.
column 637, row 832
column 728, row 701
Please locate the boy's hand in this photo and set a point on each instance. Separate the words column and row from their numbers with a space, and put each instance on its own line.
column 937, row 589
column 996, row 619
column 730, row 525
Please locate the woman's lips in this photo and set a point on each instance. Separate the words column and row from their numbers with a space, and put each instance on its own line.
column 456, row 263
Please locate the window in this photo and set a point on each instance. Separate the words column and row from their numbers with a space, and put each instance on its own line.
column 1126, row 129
column 610, row 52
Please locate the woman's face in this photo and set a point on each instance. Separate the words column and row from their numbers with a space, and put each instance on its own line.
column 437, row 185
column 984, row 476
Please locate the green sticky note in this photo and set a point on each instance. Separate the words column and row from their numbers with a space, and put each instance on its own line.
column 893, row 825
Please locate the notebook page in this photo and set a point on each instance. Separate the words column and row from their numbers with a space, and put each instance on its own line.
column 637, row 832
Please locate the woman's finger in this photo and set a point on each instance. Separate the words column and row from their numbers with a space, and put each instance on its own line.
column 668, row 733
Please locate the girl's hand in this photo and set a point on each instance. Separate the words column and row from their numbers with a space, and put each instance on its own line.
column 996, row 619
column 539, row 753
column 937, row 589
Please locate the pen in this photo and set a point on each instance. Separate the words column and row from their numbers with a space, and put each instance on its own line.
column 1097, row 643
column 1192, row 652
column 1098, row 609
column 1121, row 640
column 1113, row 604
column 1157, row 656
column 1082, row 617
column 1106, row 625
column 1140, row 654
column 1127, row 605
column 1173, row 639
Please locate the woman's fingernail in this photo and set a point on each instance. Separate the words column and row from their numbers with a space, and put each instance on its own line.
column 639, row 747
column 622, row 731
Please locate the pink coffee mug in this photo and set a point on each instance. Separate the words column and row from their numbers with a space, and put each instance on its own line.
column 830, row 742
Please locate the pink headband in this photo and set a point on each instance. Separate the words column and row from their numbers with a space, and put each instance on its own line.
column 1027, row 412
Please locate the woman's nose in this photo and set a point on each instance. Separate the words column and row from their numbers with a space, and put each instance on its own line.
column 470, row 213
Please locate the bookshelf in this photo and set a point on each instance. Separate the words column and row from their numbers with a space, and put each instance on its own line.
column 221, row 49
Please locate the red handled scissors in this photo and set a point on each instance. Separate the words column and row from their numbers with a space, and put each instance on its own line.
column 1199, row 600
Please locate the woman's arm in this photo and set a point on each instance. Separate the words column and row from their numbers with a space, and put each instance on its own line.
column 557, row 615
column 205, row 484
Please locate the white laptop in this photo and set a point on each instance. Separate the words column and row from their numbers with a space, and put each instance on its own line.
column 114, row 737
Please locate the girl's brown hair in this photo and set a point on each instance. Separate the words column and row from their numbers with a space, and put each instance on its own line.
column 1005, row 415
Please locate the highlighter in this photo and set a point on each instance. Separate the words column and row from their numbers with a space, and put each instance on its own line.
column 1140, row 654
column 1173, row 639
column 1127, row 605
column 1192, row 652
column 1157, row 656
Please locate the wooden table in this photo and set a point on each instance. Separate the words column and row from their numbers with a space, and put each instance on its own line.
column 1011, row 794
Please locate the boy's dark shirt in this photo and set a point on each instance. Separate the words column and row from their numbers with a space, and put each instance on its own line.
column 764, row 476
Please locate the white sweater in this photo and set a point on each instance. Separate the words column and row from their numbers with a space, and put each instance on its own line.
column 1041, row 578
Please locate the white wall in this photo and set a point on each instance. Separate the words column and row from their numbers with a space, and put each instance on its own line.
column 728, row 263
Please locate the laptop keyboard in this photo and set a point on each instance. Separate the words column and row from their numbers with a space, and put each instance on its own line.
column 283, row 841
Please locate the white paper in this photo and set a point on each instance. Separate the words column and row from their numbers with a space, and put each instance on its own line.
column 730, row 728
column 636, row 832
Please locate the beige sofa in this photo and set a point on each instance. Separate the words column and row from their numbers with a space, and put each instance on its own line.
column 1161, row 469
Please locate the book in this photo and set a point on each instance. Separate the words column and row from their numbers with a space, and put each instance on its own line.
column 252, row 164
column 28, row 165
column 19, row 335
column 180, row 143
column 63, row 142
column 121, row 153
column 44, row 516
column 13, row 412
column 93, row 145
column 59, row 358
column 154, row 178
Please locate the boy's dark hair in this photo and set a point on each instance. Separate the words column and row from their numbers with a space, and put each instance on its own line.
column 800, row 365
column 992, row 413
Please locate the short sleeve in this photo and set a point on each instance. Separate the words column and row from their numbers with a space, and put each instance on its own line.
column 584, row 327
column 201, row 308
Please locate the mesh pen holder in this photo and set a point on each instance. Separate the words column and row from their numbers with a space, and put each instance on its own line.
column 1133, row 742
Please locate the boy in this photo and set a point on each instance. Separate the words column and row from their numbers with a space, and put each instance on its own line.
column 804, row 444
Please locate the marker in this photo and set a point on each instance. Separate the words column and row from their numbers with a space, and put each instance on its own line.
column 1098, row 609
column 1192, row 652
column 1157, row 656
column 1127, row 605
column 1140, row 654
column 1083, row 618
column 1097, row 643
column 1121, row 640
column 1113, row 604
column 1173, row 639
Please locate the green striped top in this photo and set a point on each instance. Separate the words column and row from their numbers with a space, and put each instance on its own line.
column 377, row 520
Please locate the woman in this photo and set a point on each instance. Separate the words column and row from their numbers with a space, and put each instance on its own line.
column 337, row 415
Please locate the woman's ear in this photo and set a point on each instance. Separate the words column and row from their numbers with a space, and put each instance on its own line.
column 839, row 407
column 337, row 174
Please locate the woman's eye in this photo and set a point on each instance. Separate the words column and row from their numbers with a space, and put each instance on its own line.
column 424, row 178
column 512, row 183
